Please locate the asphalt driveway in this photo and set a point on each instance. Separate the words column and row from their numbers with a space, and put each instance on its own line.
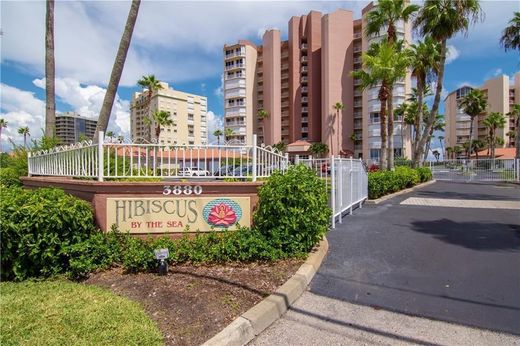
column 458, row 263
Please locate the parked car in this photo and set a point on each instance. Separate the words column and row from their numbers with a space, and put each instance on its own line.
column 224, row 171
column 243, row 171
column 193, row 172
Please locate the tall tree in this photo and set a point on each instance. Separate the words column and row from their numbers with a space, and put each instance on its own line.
column 117, row 69
column 218, row 133
column 50, row 71
column 473, row 104
column 25, row 132
column 383, row 63
column 449, row 152
column 160, row 119
column 511, row 35
column 442, row 19
column 492, row 122
column 511, row 135
column 150, row 85
column 338, row 106
column 228, row 132
column 515, row 114
column 387, row 14
column 425, row 57
column 438, row 125
column 441, row 141
column 318, row 149
column 3, row 125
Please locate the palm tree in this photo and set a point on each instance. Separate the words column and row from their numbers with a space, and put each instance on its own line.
column 387, row 14
column 3, row 125
column 218, row 133
column 438, row 125
column 117, row 69
column 436, row 154
column 511, row 134
column 25, row 132
column 338, row 106
column 515, row 114
column 228, row 132
column 441, row 139
column 110, row 134
column 449, row 152
column 160, row 119
column 318, row 149
column 150, row 85
column 280, row 146
column 493, row 122
column 384, row 63
column 425, row 55
column 511, row 35
column 441, row 20
column 50, row 72
column 457, row 150
column 478, row 145
column 120, row 138
column 473, row 104
column 262, row 114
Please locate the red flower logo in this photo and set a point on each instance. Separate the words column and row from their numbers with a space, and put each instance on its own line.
column 222, row 215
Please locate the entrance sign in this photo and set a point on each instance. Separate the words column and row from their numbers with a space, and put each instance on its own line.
column 173, row 213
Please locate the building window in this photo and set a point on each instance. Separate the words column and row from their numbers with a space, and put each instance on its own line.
column 375, row 154
column 374, row 118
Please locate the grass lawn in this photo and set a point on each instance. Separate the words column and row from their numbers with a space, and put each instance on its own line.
column 65, row 313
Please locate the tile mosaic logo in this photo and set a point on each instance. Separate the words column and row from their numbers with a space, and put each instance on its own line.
column 222, row 212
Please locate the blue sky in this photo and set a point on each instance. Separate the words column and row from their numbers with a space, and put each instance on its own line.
column 181, row 43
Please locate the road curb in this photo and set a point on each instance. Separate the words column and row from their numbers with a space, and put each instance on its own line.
column 387, row 197
column 252, row 322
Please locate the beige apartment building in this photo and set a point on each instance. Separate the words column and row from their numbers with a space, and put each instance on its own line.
column 298, row 81
column 72, row 128
column 501, row 94
column 188, row 112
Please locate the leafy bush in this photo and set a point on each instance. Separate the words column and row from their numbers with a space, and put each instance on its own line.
column 36, row 226
column 293, row 212
column 385, row 182
column 425, row 174
column 9, row 177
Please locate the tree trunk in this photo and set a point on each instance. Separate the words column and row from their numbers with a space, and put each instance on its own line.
column 117, row 69
column 419, row 118
column 470, row 137
column 517, row 138
column 383, row 96
column 50, row 102
column 435, row 107
column 390, row 150
column 158, row 131
column 332, row 121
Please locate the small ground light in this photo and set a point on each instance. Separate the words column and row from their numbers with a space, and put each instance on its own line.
column 161, row 255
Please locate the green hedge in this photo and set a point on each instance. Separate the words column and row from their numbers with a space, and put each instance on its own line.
column 36, row 226
column 46, row 232
column 382, row 183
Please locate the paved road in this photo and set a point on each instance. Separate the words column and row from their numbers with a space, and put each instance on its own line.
column 446, row 263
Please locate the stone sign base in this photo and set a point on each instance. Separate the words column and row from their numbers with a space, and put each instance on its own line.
column 161, row 208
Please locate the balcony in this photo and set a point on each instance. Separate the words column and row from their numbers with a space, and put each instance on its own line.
column 285, row 94
column 304, row 46
column 305, row 79
column 305, row 109
column 357, row 35
column 234, row 66
column 358, row 93
column 357, row 60
column 285, row 54
column 305, row 129
column 304, row 69
column 357, row 48
column 304, row 89
column 305, row 119
column 358, row 115
column 358, row 104
column 305, row 99
column 284, row 104
column 285, row 66
column 358, row 126
column 304, row 59
column 357, row 81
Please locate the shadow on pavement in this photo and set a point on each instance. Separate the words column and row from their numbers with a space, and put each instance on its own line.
column 481, row 236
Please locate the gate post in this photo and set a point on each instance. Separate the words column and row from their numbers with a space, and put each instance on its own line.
column 101, row 163
column 340, row 187
column 254, row 157
column 332, row 191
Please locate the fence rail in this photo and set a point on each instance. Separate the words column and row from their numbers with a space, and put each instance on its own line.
column 108, row 160
column 346, row 181
column 476, row 170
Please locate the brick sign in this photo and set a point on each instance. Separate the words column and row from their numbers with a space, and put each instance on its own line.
column 173, row 213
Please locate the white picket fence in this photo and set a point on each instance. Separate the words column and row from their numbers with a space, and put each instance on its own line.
column 346, row 181
column 106, row 159
column 491, row 170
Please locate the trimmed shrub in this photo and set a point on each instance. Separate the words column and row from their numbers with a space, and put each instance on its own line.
column 36, row 226
column 9, row 177
column 425, row 174
column 293, row 212
column 385, row 182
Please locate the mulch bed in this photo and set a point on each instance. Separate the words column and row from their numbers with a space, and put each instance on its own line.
column 192, row 304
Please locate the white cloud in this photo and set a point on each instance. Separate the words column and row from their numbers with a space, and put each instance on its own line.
column 220, row 90
column 175, row 40
column 20, row 109
column 451, row 54
column 498, row 72
column 215, row 122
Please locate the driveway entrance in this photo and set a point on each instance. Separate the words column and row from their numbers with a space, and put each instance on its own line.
column 449, row 251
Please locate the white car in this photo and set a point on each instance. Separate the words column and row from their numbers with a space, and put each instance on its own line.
column 193, row 172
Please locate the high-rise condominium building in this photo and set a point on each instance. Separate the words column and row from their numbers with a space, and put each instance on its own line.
column 500, row 93
column 188, row 112
column 286, row 90
column 72, row 128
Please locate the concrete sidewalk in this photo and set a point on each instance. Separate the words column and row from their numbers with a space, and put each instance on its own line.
column 318, row 320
